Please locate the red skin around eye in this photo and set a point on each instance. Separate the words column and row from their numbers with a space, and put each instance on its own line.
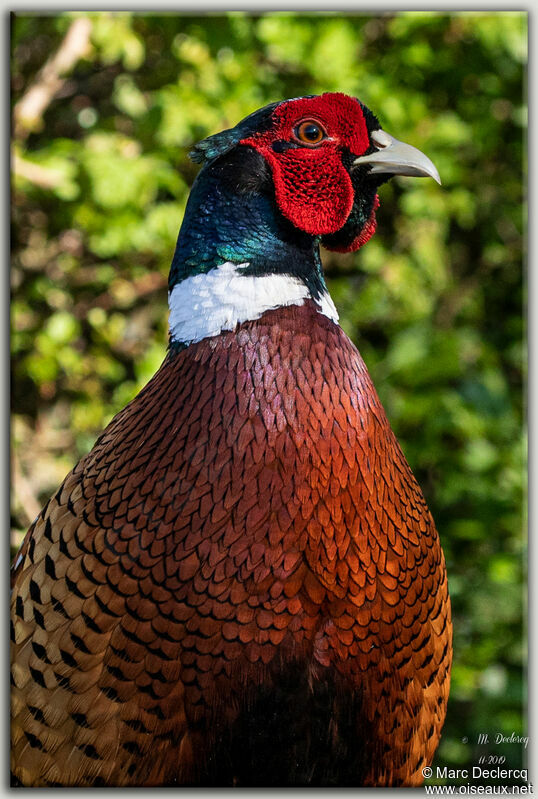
column 313, row 188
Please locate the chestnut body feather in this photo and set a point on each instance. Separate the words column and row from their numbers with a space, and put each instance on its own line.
column 240, row 584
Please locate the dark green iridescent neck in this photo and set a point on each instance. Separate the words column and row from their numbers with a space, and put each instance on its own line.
column 231, row 219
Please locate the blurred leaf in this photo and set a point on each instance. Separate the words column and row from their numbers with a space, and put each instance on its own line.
column 434, row 301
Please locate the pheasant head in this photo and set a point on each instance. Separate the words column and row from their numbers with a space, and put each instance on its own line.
column 289, row 177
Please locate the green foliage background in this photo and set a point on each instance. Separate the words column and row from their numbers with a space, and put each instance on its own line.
column 434, row 302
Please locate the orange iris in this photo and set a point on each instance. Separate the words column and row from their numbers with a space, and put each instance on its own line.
column 310, row 132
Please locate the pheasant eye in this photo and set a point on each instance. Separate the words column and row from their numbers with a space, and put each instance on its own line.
column 310, row 132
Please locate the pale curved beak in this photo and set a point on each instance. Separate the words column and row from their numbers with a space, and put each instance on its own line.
column 397, row 158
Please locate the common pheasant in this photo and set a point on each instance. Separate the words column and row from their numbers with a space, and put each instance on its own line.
column 241, row 583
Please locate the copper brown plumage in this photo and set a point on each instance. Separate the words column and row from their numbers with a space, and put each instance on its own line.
column 278, row 520
column 240, row 584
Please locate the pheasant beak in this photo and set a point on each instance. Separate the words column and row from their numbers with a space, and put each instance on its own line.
column 397, row 158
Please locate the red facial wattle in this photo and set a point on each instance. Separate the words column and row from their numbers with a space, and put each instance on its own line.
column 352, row 236
column 313, row 188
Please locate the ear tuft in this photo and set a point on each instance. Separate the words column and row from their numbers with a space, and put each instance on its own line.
column 221, row 143
column 214, row 146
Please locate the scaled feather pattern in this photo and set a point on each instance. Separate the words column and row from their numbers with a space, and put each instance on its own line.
column 241, row 584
